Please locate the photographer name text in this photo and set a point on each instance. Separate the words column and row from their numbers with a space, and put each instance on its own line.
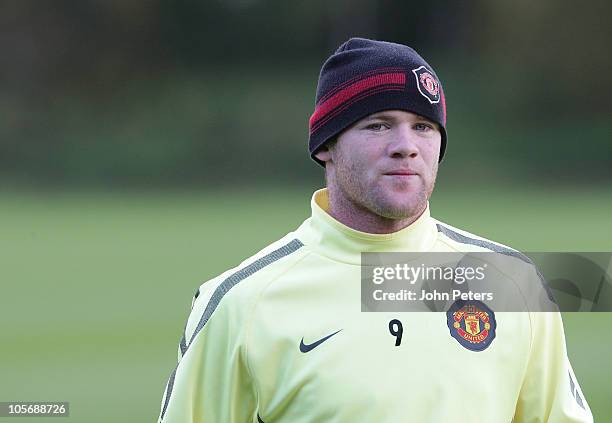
column 424, row 295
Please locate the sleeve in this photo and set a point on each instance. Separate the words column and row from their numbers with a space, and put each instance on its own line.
column 211, row 382
column 550, row 391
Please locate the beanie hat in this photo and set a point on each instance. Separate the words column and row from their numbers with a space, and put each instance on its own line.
column 367, row 76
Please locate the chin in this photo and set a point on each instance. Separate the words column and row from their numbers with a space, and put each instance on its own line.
column 393, row 209
column 405, row 199
column 404, row 189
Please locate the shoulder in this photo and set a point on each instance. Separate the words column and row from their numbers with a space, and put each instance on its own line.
column 237, row 287
column 272, row 259
column 465, row 241
column 511, row 262
column 508, row 260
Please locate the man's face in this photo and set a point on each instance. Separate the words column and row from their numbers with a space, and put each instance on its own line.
column 386, row 163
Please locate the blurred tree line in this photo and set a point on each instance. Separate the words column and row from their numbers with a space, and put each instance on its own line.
column 194, row 93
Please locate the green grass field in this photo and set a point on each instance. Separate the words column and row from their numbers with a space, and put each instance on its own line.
column 96, row 287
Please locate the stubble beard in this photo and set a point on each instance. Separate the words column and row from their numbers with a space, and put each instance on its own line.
column 377, row 200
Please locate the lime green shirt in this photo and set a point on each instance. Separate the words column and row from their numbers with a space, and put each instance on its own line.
column 282, row 338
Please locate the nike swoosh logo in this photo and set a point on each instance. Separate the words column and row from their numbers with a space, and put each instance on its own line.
column 305, row 348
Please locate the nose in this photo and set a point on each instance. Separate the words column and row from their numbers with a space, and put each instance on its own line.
column 403, row 143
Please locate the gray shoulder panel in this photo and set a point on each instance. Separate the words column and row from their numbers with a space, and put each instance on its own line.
column 223, row 289
column 456, row 236
column 240, row 275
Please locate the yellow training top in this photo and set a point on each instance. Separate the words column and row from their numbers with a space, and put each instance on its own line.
column 281, row 338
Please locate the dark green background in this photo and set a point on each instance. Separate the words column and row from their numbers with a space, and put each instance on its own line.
column 148, row 146
column 125, row 94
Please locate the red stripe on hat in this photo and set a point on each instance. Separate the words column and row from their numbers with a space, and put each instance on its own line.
column 321, row 122
column 345, row 94
column 358, row 78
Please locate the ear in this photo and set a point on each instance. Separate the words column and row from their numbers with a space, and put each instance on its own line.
column 323, row 154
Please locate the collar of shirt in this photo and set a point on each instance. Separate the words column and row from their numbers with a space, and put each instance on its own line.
column 327, row 236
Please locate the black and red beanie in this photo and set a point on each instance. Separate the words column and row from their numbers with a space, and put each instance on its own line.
column 367, row 76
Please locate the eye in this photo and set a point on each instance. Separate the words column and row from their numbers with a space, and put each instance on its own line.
column 423, row 126
column 377, row 126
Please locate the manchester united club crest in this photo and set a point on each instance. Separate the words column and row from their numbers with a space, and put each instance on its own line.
column 472, row 324
column 428, row 85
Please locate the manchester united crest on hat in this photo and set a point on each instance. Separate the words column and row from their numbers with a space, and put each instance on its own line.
column 428, row 85
column 472, row 324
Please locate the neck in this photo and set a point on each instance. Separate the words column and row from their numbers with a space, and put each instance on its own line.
column 362, row 219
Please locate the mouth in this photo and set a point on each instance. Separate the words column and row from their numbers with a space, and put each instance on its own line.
column 401, row 172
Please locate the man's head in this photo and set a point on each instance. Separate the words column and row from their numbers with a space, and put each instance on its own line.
column 380, row 112
column 385, row 163
column 366, row 76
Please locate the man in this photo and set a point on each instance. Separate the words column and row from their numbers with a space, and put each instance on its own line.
column 282, row 338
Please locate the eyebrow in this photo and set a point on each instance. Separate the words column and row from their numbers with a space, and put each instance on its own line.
column 380, row 115
column 386, row 115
